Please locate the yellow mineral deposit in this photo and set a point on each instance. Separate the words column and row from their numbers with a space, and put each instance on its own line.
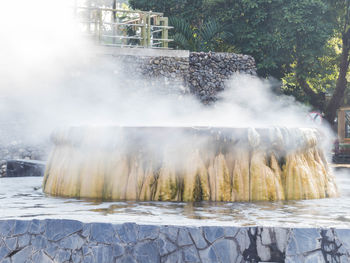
column 217, row 164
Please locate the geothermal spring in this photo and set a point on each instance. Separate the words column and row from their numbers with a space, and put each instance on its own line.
column 140, row 170
column 188, row 164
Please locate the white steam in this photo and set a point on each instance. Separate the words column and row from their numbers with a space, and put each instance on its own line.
column 50, row 77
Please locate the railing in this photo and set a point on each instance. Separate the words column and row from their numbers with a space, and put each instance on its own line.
column 124, row 28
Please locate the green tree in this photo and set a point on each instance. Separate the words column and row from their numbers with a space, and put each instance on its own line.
column 208, row 37
column 343, row 10
column 290, row 40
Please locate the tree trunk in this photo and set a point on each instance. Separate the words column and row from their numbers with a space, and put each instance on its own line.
column 340, row 87
column 317, row 100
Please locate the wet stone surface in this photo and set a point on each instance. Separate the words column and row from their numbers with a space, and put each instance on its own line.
column 54, row 240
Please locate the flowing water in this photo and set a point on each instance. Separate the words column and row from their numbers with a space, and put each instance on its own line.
column 22, row 198
column 188, row 164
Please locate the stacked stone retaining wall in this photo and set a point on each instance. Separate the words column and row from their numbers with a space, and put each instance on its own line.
column 202, row 74
column 54, row 240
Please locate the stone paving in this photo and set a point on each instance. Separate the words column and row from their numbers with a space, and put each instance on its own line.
column 54, row 240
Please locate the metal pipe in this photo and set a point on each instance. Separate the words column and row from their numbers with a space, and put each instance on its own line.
column 122, row 10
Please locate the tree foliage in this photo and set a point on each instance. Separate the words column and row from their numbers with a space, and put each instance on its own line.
column 304, row 43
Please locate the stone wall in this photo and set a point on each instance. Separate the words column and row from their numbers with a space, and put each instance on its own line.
column 166, row 74
column 208, row 72
column 73, row 241
column 199, row 73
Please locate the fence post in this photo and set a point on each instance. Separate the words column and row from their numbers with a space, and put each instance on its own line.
column 143, row 30
column 149, row 29
column 165, row 23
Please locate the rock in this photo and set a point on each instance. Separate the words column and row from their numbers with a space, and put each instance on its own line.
column 22, row 255
column 23, row 240
column 148, row 232
column 146, row 252
column 209, row 255
column 164, row 245
column 41, row 257
column 127, row 232
column 190, row 254
column 103, row 233
column 308, row 239
column 198, row 238
column 226, row 250
column 62, row 256
column 21, row 227
column 184, row 238
column 213, row 233
column 73, row 242
column 58, row 229
column 24, row 168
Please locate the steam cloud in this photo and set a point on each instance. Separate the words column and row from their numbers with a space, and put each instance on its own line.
column 50, row 77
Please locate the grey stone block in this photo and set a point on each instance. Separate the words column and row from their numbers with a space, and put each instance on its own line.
column 22, row 255
column 281, row 235
column 11, row 243
column 164, row 245
column 263, row 251
column 58, row 229
column 4, row 251
column 77, row 257
column 52, row 249
column 37, row 226
column 21, row 227
column 127, row 232
column 86, row 230
column 6, row 227
column 118, row 250
column 103, row 254
column 6, row 260
column 39, row 242
column 242, row 239
column 190, row 254
column 213, row 233
column 73, row 242
column 315, row 257
column 344, row 237
column 41, row 257
column 292, row 247
column 103, row 233
column 175, row 257
column 230, row 231
column 197, row 237
column 86, row 250
column 294, row 259
column 146, row 252
column 88, row 259
column 126, row 259
column 208, row 255
column 170, row 232
column 62, row 256
column 226, row 250
column 308, row 239
column 148, row 232
column 23, row 240
column 184, row 238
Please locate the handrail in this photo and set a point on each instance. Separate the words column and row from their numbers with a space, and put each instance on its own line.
column 121, row 10
column 136, row 28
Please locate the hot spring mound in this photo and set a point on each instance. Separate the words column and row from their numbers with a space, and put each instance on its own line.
column 188, row 164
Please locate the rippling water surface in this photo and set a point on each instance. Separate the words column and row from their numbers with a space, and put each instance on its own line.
column 22, row 198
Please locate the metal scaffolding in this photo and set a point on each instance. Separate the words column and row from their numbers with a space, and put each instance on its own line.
column 124, row 28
